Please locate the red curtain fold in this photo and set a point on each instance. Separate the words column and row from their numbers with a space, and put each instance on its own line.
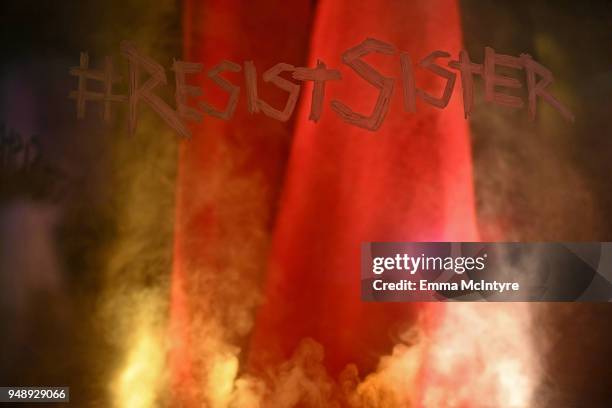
column 409, row 181
column 225, row 161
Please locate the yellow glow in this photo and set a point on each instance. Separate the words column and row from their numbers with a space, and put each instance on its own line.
column 141, row 380
column 221, row 380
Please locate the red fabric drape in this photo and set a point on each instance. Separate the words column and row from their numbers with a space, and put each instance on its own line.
column 409, row 181
column 214, row 211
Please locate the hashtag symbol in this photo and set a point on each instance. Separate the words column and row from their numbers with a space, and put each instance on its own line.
column 83, row 95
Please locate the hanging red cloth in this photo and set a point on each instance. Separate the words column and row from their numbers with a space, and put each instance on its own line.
column 216, row 207
column 409, row 181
